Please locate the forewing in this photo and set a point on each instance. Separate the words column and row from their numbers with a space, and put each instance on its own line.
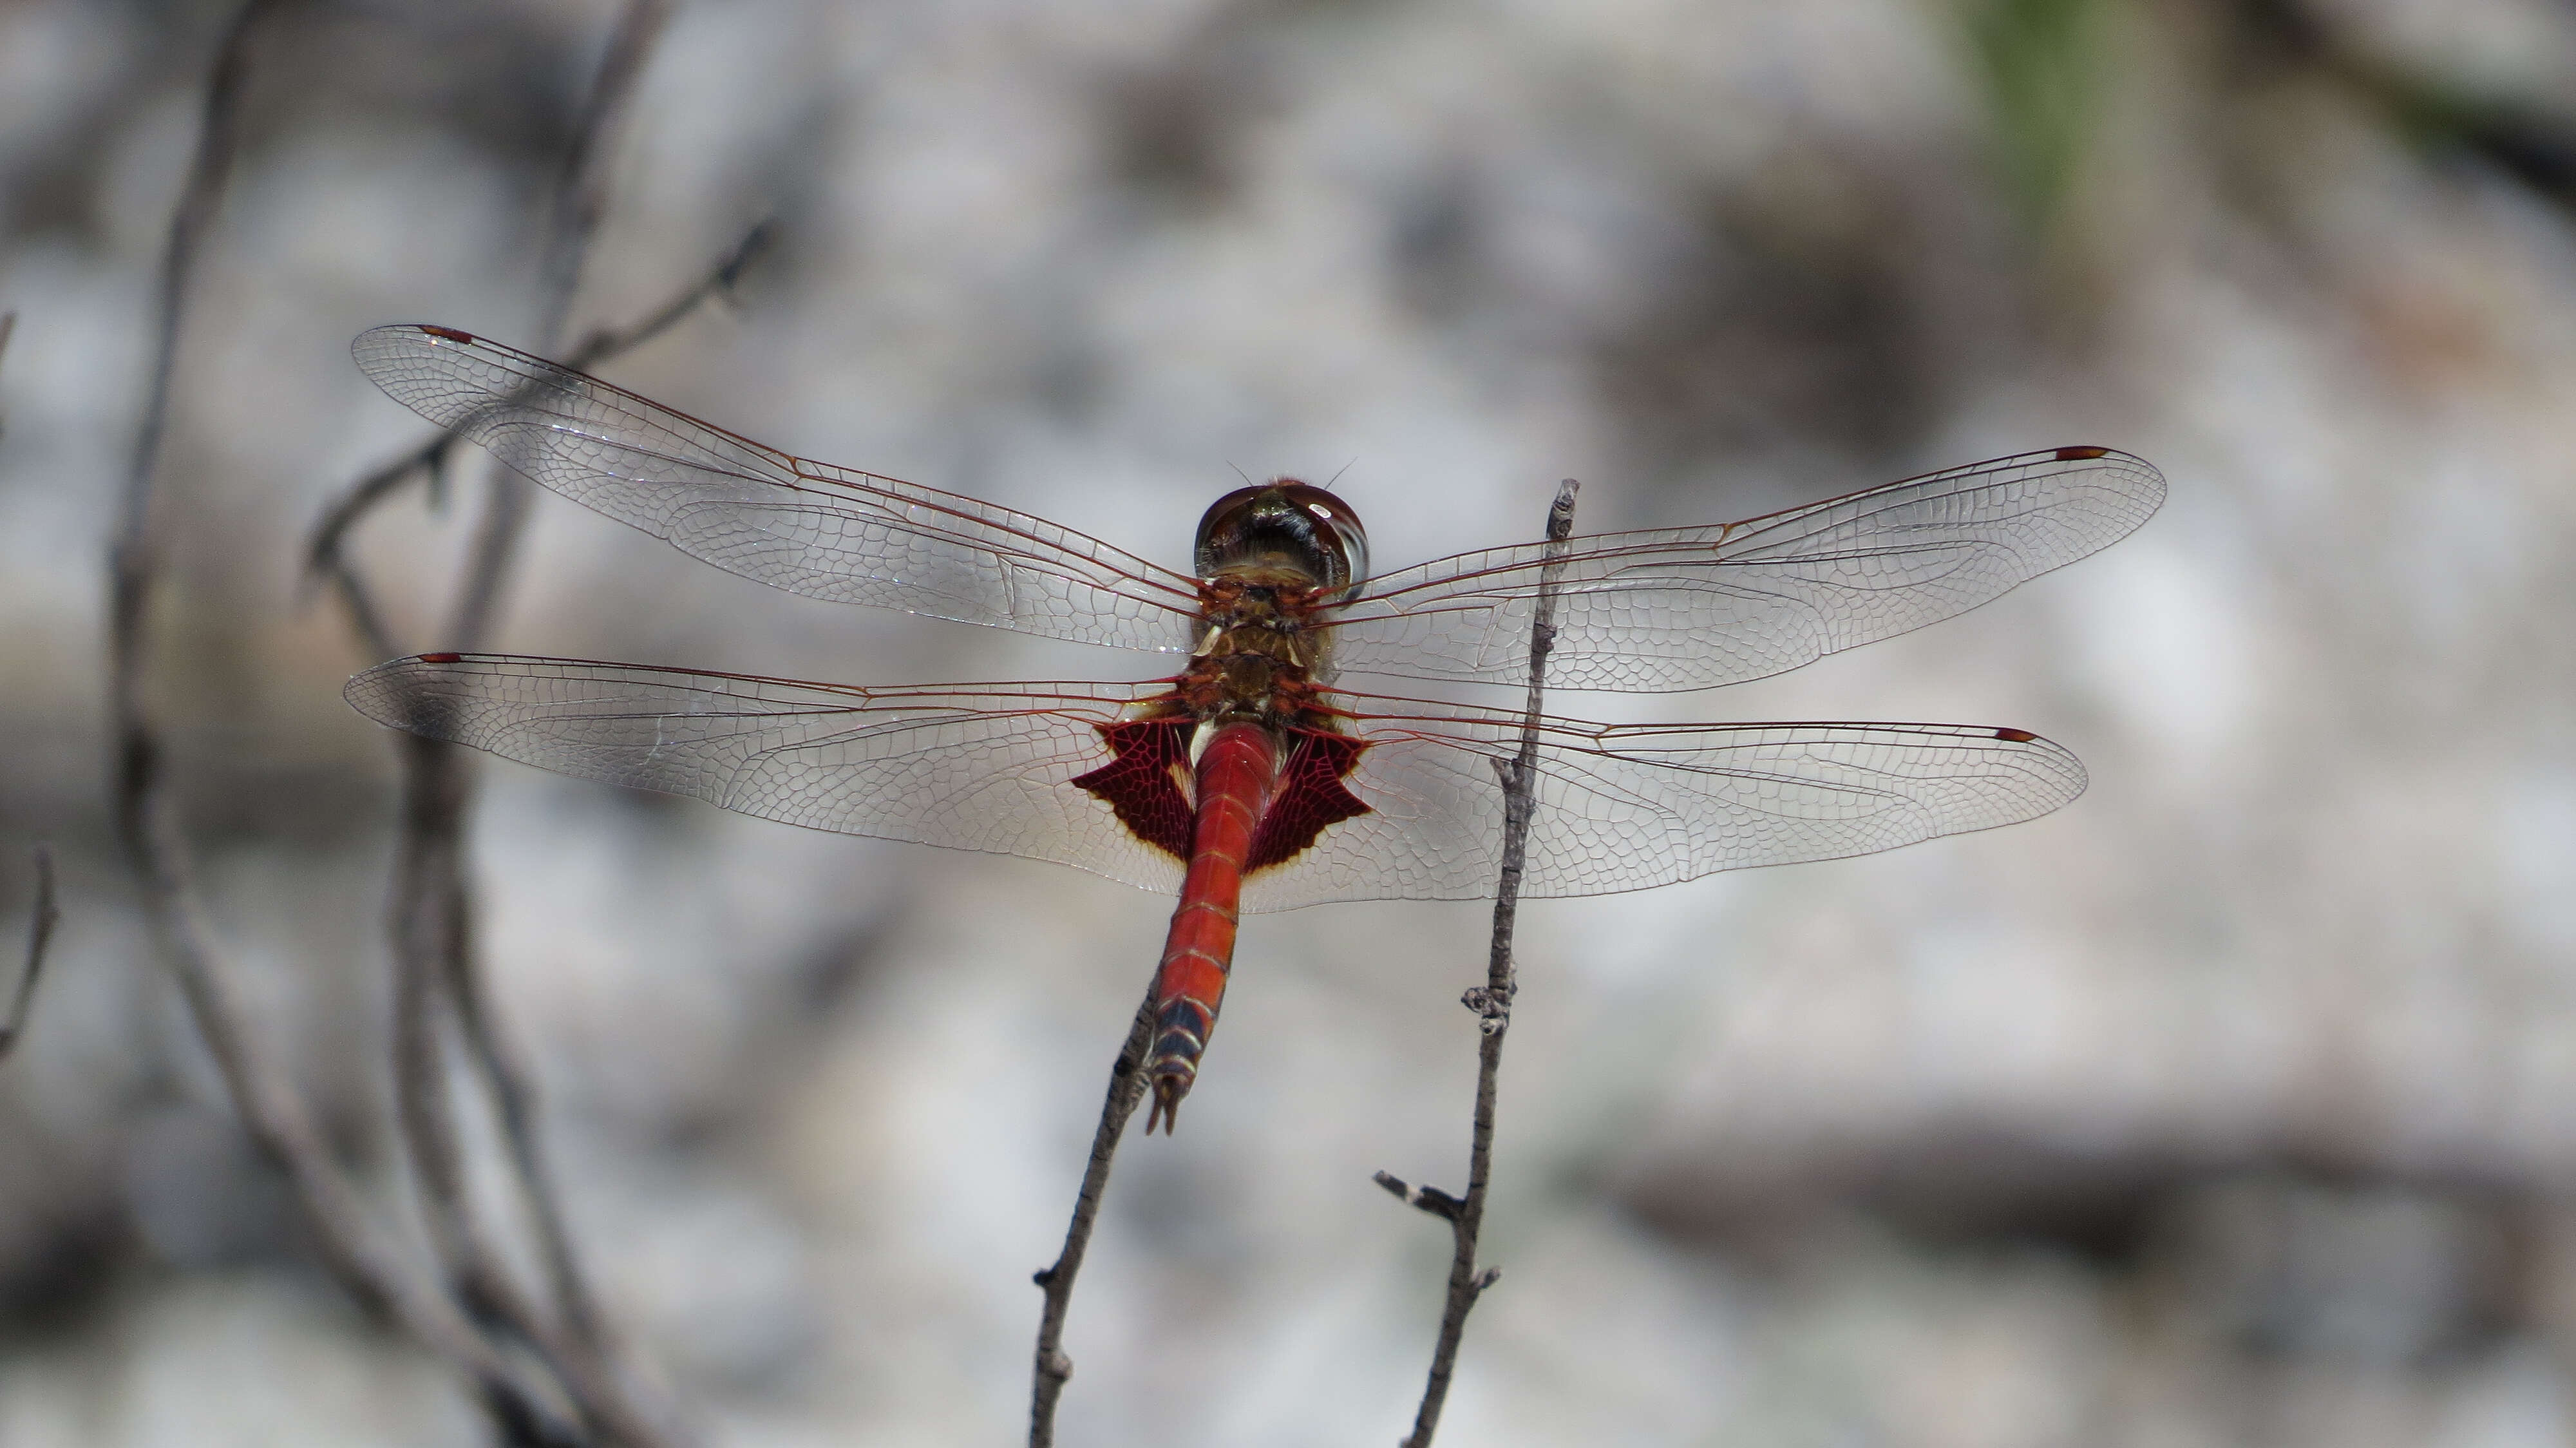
column 804, row 526
column 1692, row 608
column 1626, row 807
column 968, row 767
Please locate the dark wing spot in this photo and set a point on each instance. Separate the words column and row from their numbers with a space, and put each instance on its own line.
column 2081, row 454
column 450, row 333
column 442, row 658
column 2016, row 736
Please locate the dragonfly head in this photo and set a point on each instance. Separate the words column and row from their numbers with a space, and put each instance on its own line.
column 1285, row 524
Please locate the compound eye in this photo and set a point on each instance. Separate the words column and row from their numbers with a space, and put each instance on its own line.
column 1337, row 521
column 1286, row 521
column 1223, row 527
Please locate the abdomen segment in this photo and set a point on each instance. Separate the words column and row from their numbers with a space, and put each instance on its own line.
column 1237, row 776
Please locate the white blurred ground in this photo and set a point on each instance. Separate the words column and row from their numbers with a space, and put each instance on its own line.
column 2229, row 1105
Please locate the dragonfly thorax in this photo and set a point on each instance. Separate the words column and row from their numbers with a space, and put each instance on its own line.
column 1252, row 672
column 1264, row 613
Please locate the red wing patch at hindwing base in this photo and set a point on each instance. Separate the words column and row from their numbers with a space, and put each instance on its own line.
column 1311, row 796
column 1143, row 784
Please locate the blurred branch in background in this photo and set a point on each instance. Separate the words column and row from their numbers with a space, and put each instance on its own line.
column 2521, row 137
column 1492, row 1003
column 581, row 200
column 8, row 324
column 40, row 931
column 325, row 557
column 432, row 912
column 441, row 969
column 370, row 1267
column 1126, row 1092
column 2232, row 1108
column 435, row 968
column 438, row 981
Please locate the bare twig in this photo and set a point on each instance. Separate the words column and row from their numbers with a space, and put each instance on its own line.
column 506, row 1079
column 1126, row 1091
column 272, row 1112
column 438, row 981
column 325, row 559
column 8, row 324
column 436, row 921
column 275, row 1116
column 442, row 885
column 324, row 556
column 1492, row 1001
column 720, row 280
column 1430, row 1199
column 1051, row 1368
column 40, row 933
column 512, row 1098
column 427, row 947
column 581, row 200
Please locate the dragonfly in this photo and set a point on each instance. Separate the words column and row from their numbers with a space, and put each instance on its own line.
column 1245, row 775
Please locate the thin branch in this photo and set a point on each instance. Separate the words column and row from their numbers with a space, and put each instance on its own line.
column 437, row 977
column 513, row 1100
column 1492, row 1001
column 719, row 281
column 40, row 933
column 325, row 556
column 503, row 1076
column 277, row 1120
column 438, row 924
column 424, row 997
column 581, row 193
column 1050, row 1367
column 8, row 324
column 272, row 1112
column 581, row 201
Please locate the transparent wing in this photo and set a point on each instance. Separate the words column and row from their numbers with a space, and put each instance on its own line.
column 969, row 767
column 990, row 768
column 1692, row 608
column 1627, row 807
column 804, row 526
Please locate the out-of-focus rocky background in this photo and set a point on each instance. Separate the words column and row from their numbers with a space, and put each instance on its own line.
column 2235, row 1104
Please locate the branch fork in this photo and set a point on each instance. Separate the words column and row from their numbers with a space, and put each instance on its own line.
column 545, row 1374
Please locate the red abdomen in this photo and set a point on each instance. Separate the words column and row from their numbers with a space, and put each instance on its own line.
column 1237, row 777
